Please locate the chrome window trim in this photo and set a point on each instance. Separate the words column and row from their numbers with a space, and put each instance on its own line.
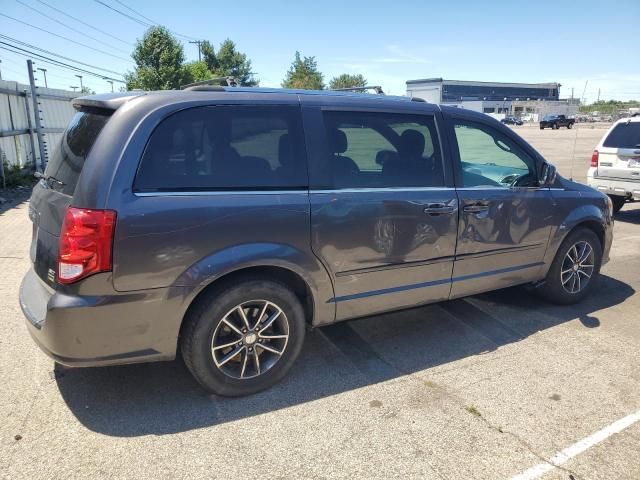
column 221, row 192
column 382, row 189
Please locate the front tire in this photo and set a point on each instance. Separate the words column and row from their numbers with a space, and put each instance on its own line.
column 618, row 202
column 570, row 126
column 574, row 269
column 244, row 338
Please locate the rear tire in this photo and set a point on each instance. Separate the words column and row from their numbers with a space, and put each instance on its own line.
column 565, row 283
column 233, row 347
column 618, row 202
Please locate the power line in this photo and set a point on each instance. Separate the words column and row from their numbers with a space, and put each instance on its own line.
column 52, row 61
column 65, row 38
column 84, row 23
column 25, row 44
column 136, row 12
column 155, row 23
column 70, row 28
column 137, row 20
column 124, row 14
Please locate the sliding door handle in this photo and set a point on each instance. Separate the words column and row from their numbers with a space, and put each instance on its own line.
column 439, row 209
column 475, row 208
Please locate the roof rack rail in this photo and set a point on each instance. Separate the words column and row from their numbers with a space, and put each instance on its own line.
column 418, row 99
column 375, row 88
column 229, row 81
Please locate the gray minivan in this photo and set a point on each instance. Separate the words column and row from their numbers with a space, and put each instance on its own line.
column 225, row 221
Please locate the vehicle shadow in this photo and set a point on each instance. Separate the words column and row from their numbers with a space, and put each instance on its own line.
column 630, row 213
column 163, row 398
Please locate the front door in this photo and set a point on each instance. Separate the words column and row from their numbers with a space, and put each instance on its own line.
column 386, row 227
column 505, row 218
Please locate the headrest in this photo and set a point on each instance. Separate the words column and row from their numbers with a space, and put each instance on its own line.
column 285, row 152
column 411, row 144
column 338, row 141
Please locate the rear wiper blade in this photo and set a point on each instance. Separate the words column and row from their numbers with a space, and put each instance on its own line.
column 48, row 178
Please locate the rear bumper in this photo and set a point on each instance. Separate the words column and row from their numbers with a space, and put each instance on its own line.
column 613, row 186
column 84, row 331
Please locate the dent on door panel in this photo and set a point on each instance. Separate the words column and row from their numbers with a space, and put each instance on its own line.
column 503, row 245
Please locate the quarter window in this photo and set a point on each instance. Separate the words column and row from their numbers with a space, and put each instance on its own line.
column 378, row 150
column 225, row 148
column 490, row 158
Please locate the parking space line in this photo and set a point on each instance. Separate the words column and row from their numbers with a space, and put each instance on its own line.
column 578, row 447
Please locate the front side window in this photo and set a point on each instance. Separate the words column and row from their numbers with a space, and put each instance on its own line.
column 380, row 150
column 225, row 148
column 490, row 158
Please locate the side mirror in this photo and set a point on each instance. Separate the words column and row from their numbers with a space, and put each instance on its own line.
column 548, row 176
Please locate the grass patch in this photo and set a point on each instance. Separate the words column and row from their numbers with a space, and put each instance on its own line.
column 473, row 410
column 17, row 176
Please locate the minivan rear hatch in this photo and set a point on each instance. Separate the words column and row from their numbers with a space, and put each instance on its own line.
column 54, row 192
column 619, row 155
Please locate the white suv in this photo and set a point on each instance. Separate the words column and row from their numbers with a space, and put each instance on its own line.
column 615, row 163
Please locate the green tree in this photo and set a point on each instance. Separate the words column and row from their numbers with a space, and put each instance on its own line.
column 347, row 80
column 208, row 54
column 198, row 71
column 304, row 73
column 159, row 59
column 230, row 62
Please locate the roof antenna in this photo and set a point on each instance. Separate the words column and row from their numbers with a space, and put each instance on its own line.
column 575, row 138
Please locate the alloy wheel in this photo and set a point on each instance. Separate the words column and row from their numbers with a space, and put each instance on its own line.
column 577, row 267
column 250, row 339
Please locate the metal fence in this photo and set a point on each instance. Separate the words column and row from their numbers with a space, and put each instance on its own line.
column 20, row 137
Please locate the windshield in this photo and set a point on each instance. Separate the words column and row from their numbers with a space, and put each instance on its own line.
column 624, row 135
column 68, row 158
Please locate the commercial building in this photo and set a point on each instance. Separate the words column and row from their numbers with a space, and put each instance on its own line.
column 530, row 101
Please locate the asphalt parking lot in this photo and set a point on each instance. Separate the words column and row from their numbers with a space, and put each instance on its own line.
column 488, row 387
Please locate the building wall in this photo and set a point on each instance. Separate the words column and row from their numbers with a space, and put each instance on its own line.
column 431, row 93
column 56, row 111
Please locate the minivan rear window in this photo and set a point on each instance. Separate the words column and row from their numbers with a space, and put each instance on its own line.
column 624, row 135
column 68, row 158
column 225, row 148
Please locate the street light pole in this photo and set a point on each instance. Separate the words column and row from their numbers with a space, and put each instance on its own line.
column 44, row 73
column 111, row 82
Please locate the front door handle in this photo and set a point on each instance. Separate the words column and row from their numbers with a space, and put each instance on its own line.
column 439, row 209
column 475, row 208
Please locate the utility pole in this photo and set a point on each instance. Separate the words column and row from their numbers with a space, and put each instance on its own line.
column 44, row 73
column 0, row 69
column 111, row 82
column 198, row 42
column 36, row 114
column 571, row 95
column 81, row 86
column 598, row 96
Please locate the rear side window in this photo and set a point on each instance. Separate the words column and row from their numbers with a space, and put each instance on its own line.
column 624, row 135
column 68, row 158
column 382, row 150
column 225, row 148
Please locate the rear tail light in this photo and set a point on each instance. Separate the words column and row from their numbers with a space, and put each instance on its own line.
column 86, row 242
column 594, row 158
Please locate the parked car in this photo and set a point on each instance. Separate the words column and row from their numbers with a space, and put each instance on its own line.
column 511, row 121
column 615, row 163
column 224, row 221
column 556, row 121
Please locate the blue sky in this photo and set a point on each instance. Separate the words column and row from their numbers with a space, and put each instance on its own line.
column 388, row 42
